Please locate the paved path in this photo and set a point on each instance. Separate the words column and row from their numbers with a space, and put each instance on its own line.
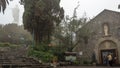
column 87, row 67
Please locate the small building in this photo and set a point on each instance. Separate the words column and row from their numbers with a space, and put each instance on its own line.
column 101, row 38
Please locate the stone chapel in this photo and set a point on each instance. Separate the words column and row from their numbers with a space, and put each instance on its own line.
column 103, row 37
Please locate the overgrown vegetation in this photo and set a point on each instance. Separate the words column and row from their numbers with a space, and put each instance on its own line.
column 44, row 19
column 9, row 45
column 14, row 34
column 46, row 53
column 65, row 34
column 41, row 17
column 68, row 29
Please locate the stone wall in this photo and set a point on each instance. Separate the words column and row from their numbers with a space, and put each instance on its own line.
column 97, row 36
column 10, row 53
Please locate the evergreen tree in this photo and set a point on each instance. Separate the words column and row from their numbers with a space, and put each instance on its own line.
column 40, row 18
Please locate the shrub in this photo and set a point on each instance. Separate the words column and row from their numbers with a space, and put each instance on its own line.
column 86, row 62
column 41, row 52
column 76, row 62
column 4, row 44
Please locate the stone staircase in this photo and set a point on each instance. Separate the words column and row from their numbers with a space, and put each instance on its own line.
column 13, row 58
column 21, row 62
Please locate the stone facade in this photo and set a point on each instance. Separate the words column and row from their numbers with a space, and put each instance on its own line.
column 104, row 33
column 13, row 52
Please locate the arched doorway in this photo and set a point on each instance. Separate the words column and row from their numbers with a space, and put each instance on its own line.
column 105, row 48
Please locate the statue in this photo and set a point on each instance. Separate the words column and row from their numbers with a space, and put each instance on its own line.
column 15, row 12
column 105, row 29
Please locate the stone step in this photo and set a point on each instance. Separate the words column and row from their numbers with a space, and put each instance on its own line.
column 21, row 66
column 22, row 63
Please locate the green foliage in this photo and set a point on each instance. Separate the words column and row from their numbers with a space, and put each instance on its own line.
column 58, row 51
column 86, row 62
column 67, row 30
column 46, row 53
column 40, row 18
column 41, row 52
column 14, row 34
column 9, row 45
column 44, row 56
column 4, row 44
column 77, row 62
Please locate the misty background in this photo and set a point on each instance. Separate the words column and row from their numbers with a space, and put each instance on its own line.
column 89, row 8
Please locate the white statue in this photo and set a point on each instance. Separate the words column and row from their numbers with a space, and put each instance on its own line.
column 15, row 12
column 106, row 29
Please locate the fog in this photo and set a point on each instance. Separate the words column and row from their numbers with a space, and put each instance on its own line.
column 7, row 16
column 89, row 7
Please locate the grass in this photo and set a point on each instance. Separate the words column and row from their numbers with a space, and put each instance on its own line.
column 9, row 45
